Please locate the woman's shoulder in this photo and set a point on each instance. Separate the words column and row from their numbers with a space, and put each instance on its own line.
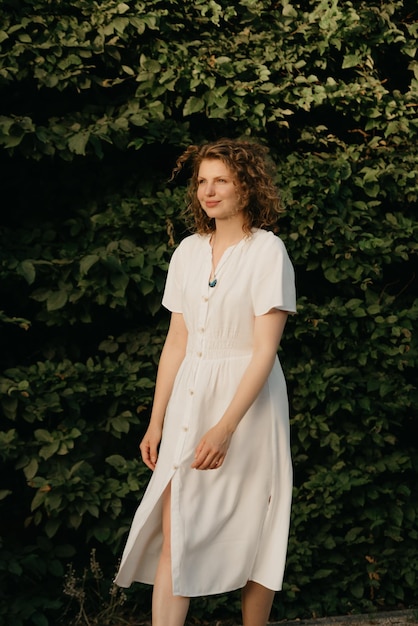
column 267, row 240
column 191, row 243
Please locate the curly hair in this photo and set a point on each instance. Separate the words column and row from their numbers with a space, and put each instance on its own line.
column 253, row 175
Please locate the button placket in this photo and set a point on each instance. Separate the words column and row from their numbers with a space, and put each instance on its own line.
column 201, row 324
column 199, row 351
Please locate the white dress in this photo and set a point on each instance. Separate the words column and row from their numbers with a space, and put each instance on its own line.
column 228, row 525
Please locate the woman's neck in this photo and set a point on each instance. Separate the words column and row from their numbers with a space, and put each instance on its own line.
column 227, row 233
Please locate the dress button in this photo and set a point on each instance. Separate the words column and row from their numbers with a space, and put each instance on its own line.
column 175, row 467
column 205, row 298
column 202, row 330
column 185, row 428
column 199, row 354
column 191, row 392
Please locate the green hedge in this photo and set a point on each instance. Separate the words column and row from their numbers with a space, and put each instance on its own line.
column 96, row 102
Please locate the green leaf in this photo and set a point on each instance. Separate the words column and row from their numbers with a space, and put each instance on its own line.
column 122, row 7
column 116, row 460
column 37, row 500
column 322, row 573
column 289, row 11
column 78, row 142
column 43, row 435
column 27, row 270
column 193, row 105
column 120, row 424
column 47, row 451
column 128, row 70
column 51, row 527
column 31, row 469
column 56, row 300
column 11, row 141
column 351, row 60
column 87, row 262
column 9, row 406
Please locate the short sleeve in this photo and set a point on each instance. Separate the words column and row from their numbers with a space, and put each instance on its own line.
column 273, row 285
column 172, row 298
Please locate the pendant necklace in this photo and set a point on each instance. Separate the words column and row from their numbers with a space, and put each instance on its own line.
column 214, row 280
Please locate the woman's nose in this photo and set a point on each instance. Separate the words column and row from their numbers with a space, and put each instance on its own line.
column 210, row 189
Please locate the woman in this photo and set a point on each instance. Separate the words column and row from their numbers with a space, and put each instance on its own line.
column 215, row 515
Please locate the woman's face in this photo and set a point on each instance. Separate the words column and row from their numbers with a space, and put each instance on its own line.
column 217, row 190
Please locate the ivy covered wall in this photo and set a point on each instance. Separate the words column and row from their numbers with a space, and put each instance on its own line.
column 97, row 99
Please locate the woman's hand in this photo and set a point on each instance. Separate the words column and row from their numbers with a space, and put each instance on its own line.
column 149, row 446
column 212, row 448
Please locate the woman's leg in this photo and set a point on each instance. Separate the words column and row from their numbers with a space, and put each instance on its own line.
column 256, row 604
column 167, row 610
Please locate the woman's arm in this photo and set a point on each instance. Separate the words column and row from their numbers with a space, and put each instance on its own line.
column 171, row 358
column 268, row 330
